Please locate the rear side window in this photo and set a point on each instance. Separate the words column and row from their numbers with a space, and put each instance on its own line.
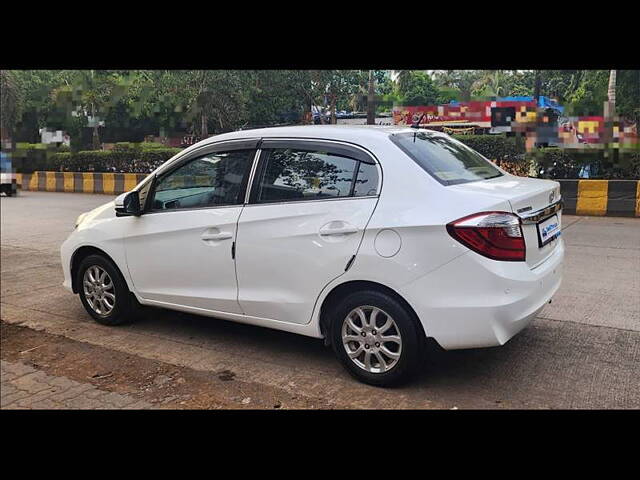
column 297, row 175
column 366, row 180
column 447, row 160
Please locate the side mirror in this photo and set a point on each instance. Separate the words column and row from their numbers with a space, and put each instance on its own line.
column 128, row 204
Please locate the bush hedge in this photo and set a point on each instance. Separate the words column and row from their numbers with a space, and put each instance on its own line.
column 556, row 162
column 120, row 161
column 29, row 157
column 553, row 162
column 508, row 152
column 123, row 160
column 495, row 147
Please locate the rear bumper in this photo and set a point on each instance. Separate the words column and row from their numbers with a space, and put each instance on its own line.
column 473, row 301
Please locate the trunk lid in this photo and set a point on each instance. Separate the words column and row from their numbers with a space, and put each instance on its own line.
column 525, row 195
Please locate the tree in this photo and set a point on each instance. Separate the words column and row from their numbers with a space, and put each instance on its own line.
column 417, row 88
column 89, row 95
column 491, row 83
column 371, row 107
column 628, row 94
column 462, row 80
column 10, row 103
column 217, row 95
column 194, row 99
column 273, row 97
column 336, row 85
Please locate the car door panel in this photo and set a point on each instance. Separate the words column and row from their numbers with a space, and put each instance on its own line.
column 181, row 251
column 283, row 259
column 174, row 257
column 302, row 227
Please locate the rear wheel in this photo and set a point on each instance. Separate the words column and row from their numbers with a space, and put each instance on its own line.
column 103, row 292
column 376, row 339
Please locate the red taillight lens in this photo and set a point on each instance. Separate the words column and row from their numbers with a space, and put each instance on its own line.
column 496, row 235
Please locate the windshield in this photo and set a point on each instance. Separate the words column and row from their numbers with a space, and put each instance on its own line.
column 447, row 160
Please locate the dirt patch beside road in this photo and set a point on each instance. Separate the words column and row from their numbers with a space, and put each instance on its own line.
column 155, row 382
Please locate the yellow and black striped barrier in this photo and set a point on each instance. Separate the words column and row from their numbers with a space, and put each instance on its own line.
column 615, row 198
column 79, row 182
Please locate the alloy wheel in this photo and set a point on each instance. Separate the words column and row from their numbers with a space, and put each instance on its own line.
column 99, row 290
column 371, row 339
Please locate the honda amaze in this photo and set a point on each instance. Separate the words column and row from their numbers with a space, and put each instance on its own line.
column 373, row 238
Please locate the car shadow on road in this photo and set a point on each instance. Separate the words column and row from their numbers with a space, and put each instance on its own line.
column 210, row 332
column 440, row 366
column 550, row 364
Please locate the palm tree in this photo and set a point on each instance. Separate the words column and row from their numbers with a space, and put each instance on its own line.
column 402, row 79
column 491, row 83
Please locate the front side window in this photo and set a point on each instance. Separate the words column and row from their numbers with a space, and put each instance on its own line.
column 214, row 179
column 447, row 160
column 293, row 175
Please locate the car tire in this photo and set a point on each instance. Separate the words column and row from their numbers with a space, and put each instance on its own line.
column 379, row 340
column 108, row 299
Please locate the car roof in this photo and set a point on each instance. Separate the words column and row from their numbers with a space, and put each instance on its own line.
column 363, row 135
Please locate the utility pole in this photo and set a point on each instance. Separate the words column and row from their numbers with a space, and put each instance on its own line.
column 371, row 101
column 611, row 94
column 609, row 122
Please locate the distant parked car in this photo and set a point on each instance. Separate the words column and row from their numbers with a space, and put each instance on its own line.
column 373, row 238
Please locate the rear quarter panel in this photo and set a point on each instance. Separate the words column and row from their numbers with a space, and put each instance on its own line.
column 417, row 208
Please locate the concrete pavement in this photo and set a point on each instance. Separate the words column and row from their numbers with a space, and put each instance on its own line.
column 582, row 352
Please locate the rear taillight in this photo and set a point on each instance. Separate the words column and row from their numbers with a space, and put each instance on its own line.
column 496, row 235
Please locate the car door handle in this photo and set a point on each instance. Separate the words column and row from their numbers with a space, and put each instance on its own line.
column 325, row 231
column 216, row 236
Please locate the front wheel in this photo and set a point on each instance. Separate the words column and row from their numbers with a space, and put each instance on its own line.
column 103, row 291
column 376, row 338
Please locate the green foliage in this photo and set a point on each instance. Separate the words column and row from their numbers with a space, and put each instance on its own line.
column 417, row 88
column 123, row 160
column 136, row 103
column 10, row 102
column 495, row 147
column 446, row 94
column 628, row 94
column 553, row 162
column 461, row 80
column 29, row 157
column 556, row 162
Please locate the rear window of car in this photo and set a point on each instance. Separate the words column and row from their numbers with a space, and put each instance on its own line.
column 447, row 160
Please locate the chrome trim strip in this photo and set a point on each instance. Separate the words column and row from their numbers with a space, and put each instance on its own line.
column 334, row 199
column 539, row 215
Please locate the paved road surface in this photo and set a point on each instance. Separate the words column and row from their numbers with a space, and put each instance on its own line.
column 582, row 352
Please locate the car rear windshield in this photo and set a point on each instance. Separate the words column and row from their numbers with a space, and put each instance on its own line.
column 447, row 160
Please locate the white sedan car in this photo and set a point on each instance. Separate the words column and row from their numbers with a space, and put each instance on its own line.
column 373, row 238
